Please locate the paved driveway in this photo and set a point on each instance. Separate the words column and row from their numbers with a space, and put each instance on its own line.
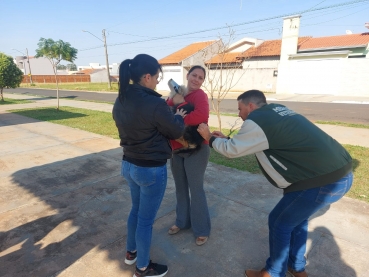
column 64, row 207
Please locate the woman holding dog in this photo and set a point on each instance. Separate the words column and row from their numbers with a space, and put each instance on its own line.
column 188, row 169
column 145, row 124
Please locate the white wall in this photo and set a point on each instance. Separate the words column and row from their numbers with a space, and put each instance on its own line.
column 261, row 62
column 320, row 76
column 174, row 72
column 99, row 77
column 257, row 73
column 333, row 76
column 240, row 80
column 355, row 77
column 40, row 66
column 258, row 78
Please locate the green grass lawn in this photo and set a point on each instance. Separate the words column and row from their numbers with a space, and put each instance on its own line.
column 93, row 121
column 75, row 86
column 8, row 101
column 103, row 124
column 338, row 123
column 225, row 114
column 343, row 124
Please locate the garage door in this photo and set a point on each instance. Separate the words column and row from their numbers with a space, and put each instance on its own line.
column 315, row 76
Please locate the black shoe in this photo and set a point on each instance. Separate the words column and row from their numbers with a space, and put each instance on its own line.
column 130, row 257
column 154, row 270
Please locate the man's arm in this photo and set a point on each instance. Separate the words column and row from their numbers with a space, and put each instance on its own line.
column 249, row 140
column 204, row 131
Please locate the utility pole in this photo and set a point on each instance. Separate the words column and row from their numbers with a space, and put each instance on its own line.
column 106, row 53
column 29, row 67
column 106, row 59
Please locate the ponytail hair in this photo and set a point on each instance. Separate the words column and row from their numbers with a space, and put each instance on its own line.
column 133, row 70
column 124, row 75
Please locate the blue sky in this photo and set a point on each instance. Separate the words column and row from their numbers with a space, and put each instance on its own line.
column 24, row 22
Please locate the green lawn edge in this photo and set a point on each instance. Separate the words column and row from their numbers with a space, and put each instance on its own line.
column 10, row 101
column 101, row 123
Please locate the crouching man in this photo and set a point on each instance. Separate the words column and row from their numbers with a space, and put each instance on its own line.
column 312, row 168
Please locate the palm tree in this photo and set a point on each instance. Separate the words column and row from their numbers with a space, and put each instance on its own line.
column 55, row 52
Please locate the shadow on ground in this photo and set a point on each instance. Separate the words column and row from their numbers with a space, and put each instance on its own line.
column 68, row 218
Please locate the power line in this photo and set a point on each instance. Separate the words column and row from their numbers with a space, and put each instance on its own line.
column 239, row 24
column 130, row 34
column 316, row 5
column 335, row 10
column 335, row 18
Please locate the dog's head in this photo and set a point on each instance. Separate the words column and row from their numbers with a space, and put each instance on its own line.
column 175, row 88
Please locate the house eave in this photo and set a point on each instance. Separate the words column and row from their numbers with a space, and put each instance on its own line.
column 330, row 53
column 171, row 64
column 332, row 48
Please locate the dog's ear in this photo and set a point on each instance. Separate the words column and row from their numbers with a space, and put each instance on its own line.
column 172, row 92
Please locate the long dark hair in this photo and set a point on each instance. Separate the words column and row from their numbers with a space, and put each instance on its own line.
column 134, row 69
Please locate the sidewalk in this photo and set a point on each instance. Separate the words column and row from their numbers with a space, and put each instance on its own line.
column 345, row 135
column 303, row 97
column 64, row 207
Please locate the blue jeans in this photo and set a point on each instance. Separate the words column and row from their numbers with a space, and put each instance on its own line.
column 288, row 224
column 147, row 186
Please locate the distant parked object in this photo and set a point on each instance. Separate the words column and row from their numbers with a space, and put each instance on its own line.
column 114, row 68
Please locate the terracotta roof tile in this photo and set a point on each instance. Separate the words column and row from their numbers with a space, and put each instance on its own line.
column 185, row 52
column 269, row 48
column 226, row 58
column 87, row 71
column 336, row 41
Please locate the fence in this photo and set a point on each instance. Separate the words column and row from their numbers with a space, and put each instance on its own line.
column 61, row 78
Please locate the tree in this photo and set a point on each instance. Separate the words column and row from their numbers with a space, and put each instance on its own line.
column 224, row 71
column 71, row 67
column 55, row 52
column 61, row 67
column 10, row 75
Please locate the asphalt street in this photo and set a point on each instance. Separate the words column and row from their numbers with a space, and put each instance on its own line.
column 314, row 111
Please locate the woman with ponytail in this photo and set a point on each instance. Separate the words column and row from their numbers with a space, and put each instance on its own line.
column 145, row 124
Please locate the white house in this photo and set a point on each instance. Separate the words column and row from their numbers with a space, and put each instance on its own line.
column 38, row 66
column 113, row 68
column 336, row 65
column 176, row 65
column 97, row 75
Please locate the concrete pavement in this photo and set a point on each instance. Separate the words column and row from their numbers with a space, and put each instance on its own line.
column 64, row 207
